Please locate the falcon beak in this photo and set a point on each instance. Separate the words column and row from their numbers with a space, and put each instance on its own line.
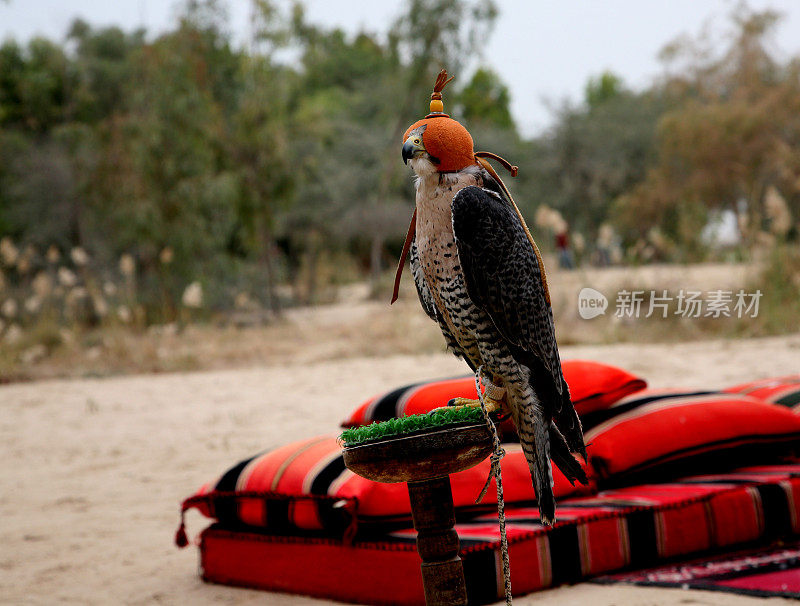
column 410, row 149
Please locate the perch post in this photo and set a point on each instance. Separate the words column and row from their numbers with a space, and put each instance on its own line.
column 425, row 460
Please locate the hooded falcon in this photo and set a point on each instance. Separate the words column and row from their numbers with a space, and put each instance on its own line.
column 480, row 276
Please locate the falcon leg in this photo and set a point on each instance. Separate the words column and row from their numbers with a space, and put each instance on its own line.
column 494, row 399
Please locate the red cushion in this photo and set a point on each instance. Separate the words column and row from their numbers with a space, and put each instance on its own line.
column 305, row 485
column 777, row 390
column 628, row 527
column 671, row 430
column 640, row 398
column 592, row 385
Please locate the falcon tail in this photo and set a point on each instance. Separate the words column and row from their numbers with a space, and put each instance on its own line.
column 561, row 454
column 534, row 437
column 541, row 440
column 569, row 424
column 542, row 471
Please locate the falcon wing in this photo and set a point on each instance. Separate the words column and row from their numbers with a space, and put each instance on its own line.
column 503, row 278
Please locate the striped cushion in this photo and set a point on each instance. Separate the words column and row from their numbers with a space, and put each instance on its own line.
column 592, row 385
column 305, row 487
column 640, row 398
column 672, row 433
column 777, row 390
column 621, row 528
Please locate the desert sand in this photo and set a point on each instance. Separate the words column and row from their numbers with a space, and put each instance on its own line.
column 93, row 470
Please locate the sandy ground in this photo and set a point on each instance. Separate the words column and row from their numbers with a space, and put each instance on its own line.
column 93, row 470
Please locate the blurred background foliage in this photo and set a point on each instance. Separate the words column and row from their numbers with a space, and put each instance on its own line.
column 148, row 180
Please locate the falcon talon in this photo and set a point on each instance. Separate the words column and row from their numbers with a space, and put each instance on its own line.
column 492, row 406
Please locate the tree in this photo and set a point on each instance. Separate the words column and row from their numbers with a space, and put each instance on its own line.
column 103, row 66
column 485, row 101
column 596, row 152
column 260, row 143
column 35, row 83
column 163, row 180
column 603, row 88
column 731, row 135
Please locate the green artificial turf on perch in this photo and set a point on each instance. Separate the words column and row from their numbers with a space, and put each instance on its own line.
column 437, row 418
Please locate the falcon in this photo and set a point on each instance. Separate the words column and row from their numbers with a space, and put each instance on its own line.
column 480, row 276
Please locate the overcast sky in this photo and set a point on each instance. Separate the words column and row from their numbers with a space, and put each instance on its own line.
column 544, row 50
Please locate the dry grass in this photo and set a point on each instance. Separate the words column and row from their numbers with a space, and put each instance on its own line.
column 357, row 326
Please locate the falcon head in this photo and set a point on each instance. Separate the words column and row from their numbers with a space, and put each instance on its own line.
column 414, row 151
column 437, row 143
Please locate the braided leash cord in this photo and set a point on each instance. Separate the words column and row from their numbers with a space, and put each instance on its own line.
column 494, row 472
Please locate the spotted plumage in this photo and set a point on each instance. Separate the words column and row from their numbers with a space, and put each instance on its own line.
column 478, row 277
